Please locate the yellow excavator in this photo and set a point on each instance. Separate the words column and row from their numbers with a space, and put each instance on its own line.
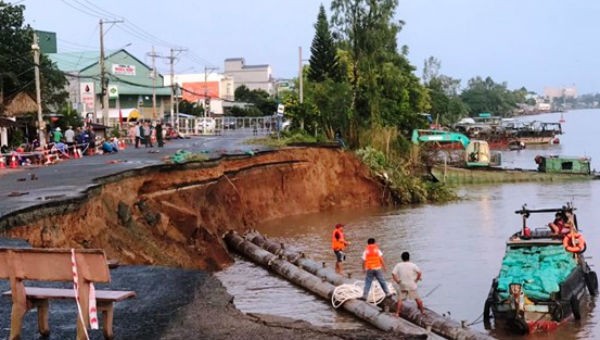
column 476, row 152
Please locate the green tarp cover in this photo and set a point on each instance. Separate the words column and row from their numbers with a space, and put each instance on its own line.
column 540, row 269
column 181, row 156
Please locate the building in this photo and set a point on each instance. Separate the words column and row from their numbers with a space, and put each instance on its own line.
column 254, row 77
column 131, row 85
column 197, row 87
column 15, row 106
column 559, row 92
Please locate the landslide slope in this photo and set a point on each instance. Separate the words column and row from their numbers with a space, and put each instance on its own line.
column 175, row 215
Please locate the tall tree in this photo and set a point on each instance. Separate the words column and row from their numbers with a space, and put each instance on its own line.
column 16, row 61
column 446, row 105
column 385, row 90
column 324, row 62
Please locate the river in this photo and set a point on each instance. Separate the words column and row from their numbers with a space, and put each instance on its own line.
column 459, row 245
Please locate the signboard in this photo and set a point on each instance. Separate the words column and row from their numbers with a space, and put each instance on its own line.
column 125, row 70
column 87, row 95
column 113, row 91
column 196, row 91
column 280, row 108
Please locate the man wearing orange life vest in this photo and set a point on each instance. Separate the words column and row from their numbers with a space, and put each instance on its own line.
column 374, row 266
column 339, row 243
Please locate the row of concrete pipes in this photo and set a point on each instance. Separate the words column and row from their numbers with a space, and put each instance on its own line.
column 322, row 281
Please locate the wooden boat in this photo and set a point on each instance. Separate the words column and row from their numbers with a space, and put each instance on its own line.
column 543, row 278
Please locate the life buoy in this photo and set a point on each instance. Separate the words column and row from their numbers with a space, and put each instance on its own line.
column 574, row 243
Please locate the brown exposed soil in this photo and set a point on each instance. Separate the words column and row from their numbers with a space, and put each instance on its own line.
column 175, row 216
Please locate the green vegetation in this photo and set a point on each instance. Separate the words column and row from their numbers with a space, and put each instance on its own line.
column 17, row 66
column 286, row 138
column 261, row 102
column 359, row 85
column 406, row 187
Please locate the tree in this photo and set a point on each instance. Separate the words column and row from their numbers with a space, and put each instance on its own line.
column 446, row 105
column 263, row 103
column 191, row 108
column 484, row 95
column 16, row 61
column 385, row 91
column 330, row 102
column 324, row 62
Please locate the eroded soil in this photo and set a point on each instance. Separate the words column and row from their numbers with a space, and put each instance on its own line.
column 175, row 216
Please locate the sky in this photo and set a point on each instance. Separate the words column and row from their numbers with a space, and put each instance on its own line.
column 533, row 43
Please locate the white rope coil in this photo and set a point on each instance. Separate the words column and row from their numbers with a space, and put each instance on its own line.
column 345, row 292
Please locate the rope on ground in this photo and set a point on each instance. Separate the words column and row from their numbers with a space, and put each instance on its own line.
column 345, row 292
column 476, row 321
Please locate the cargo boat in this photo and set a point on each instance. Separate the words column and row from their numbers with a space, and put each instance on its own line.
column 550, row 169
column 543, row 278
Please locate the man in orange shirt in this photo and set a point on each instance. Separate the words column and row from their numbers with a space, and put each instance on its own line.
column 374, row 266
column 339, row 244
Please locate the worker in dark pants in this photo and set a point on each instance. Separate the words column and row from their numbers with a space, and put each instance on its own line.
column 159, row 134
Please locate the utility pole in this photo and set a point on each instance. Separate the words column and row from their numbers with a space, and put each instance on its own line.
column 103, row 78
column 153, row 55
column 172, row 58
column 38, row 93
column 300, row 94
column 206, row 98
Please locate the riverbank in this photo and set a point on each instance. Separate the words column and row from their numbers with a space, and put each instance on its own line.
column 178, row 304
column 173, row 215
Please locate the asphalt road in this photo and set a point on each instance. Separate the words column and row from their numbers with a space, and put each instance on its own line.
column 71, row 178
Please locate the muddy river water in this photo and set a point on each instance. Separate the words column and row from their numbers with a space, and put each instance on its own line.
column 459, row 245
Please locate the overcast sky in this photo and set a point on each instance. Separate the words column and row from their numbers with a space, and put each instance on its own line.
column 533, row 43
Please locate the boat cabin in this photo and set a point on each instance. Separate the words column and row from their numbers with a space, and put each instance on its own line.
column 564, row 164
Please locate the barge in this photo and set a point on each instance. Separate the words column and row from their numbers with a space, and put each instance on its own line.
column 544, row 276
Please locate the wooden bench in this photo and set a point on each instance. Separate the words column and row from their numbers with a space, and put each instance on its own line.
column 18, row 264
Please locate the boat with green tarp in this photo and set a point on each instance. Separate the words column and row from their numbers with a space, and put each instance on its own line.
column 543, row 278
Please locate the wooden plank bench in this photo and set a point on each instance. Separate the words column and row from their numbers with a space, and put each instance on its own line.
column 18, row 264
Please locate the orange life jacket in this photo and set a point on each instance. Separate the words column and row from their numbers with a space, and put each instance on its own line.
column 338, row 244
column 372, row 258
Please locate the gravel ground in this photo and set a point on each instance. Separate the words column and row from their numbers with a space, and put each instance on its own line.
column 175, row 304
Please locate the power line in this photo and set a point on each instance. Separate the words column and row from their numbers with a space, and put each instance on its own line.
column 75, row 44
column 79, row 9
column 129, row 26
column 89, row 8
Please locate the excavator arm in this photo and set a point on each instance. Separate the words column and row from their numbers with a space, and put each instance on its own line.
column 425, row 136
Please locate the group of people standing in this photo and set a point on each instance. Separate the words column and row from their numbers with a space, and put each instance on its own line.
column 405, row 274
column 145, row 133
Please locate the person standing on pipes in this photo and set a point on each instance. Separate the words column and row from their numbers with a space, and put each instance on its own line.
column 339, row 244
column 373, row 266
